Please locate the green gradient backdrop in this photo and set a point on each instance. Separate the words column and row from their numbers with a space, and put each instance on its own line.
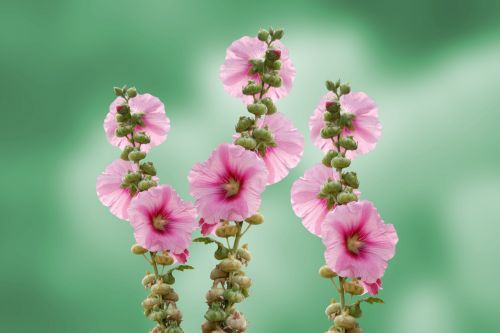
column 432, row 66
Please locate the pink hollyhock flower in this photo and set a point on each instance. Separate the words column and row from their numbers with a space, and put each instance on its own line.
column 289, row 146
column 372, row 288
column 162, row 221
column 366, row 128
column 234, row 73
column 181, row 256
column 358, row 243
column 228, row 185
column 306, row 202
column 156, row 123
column 207, row 228
column 109, row 188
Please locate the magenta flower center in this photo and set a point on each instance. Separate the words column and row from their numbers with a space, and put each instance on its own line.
column 159, row 222
column 232, row 187
column 354, row 244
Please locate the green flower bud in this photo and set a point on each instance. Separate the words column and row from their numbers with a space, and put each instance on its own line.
column 123, row 109
column 150, row 302
column 132, row 177
column 141, row 137
column 171, row 296
column 145, row 185
column 148, row 280
column 244, row 124
column 327, row 272
column 136, row 155
column 229, row 265
column 276, row 65
column 243, row 281
column 351, row 179
column 137, row 249
column 348, row 143
column 243, row 254
column 340, row 162
column 233, row 296
column 255, row 219
column 346, row 119
column 263, row 35
column 327, row 160
column 331, row 187
column 273, row 54
column 328, row 132
column 332, row 106
column 272, row 79
column 252, row 88
column 247, row 143
column 118, row 91
column 121, row 118
column 137, row 118
column 278, row 34
column 160, row 288
column 353, row 288
column 131, row 92
column 221, row 253
column 148, row 168
column 257, row 109
column 122, row 131
column 333, row 310
column 330, row 85
column 355, row 311
column 174, row 329
column 214, row 295
column 345, row 89
column 263, row 135
column 346, row 197
column 331, row 117
column 157, row 315
column 217, row 274
column 125, row 152
column 345, row 321
column 271, row 107
column 215, row 313
column 258, row 66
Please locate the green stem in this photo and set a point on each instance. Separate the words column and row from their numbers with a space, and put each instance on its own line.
column 238, row 237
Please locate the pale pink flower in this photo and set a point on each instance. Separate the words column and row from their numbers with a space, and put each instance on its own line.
column 228, row 185
column 358, row 242
column 162, row 221
column 289, row 146
column 372, row 288
column 207, row 228
column 366, row 126
column 306, row 202
column 181, row 256
column 156, row 123
column 109, row 188
column 234, row 73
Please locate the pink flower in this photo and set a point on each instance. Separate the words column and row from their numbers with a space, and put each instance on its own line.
column 181, row 256
column 162, row 221
column 306, row 202
column 109, row 188
column 289, row 146
column 207, row 228
column 156, row 123
column 234, row 73
column 372, row 288
column 366, row 126
column 228, row 185
column 358, row 243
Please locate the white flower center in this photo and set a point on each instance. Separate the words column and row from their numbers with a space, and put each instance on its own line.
column 232, row 187
column 354, row 244
column 159, row 222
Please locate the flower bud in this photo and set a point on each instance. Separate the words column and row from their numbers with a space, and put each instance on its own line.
column 122, row 109
column 164, row 259
column 137, row 249
column 244, row 124
column 142, row 138
column 274, row 80
column 131, row 92
column 148, row 280
column 118, row 91
column 243, row 254
column 157, row 315
column 233, row 296
column 271, row 107
column 257, row 109
column 252, row 88
column 355, row 330
column 236, row 321
column 276, row 65
column 350, row 179
column 278, row 34
column 331, row 117
column 160, row 288
column 255, row 219
column 346, row 197
column 208, row 327
column 330, row 85
column 273, row 54
column 174, row 329
column 345, row 321
column 331, row 187
column 171, row 296
column 263, row 35
column 247, row 143
column 353, row 287
column 132, row 177
column 136, row 155
column 121, row 118
column 217, row 274
column 340, row 162
column 327, row 272
column 148, row 168
column 345, row 89
column 137, row 118
column 122, row 131
column 348, row 143
column 328, row 132
column 221, row 253
column 355, row 310
column 215, row 313
column 229, row 265
column 243, row 281
column 333, row 310
column 214, row 295
column 263, row 135
column 146, row 184
column 125, row 152
column 327, row 159
column 346, row 119
column 332, row 106
column 150, row 302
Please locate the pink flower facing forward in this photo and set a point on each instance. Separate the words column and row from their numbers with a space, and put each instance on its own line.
column 234, row 73
column 366, row 128
column 358, row 243
column 288, row 150
column 109, row 188
column 156, row 123
column 162, row 221
column 228, row 185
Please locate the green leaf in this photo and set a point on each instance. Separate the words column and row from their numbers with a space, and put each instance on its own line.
column 372, row 300
column 180, row 268
column 206, row 240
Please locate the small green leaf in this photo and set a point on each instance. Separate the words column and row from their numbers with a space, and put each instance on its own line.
column 372, row 300
column 180, row 268
column 207, row 240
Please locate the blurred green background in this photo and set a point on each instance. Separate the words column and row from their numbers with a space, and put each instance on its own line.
column 433, row 67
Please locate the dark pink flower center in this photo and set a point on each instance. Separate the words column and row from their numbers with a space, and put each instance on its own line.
column 354, row 244
column 232, row 187
column 159, row 222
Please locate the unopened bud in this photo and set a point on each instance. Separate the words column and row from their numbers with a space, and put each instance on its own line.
column 247, row 143
column 263, row 35
column 346, row 197
column 141, row 137
column 136, row 155
column 131, row 92
column 348, row 143
column 331, row 117
column 327, row 272
column 148, row 280
column 148, row 168
column 345, row 321
column 340, row 162
column 351, row 179
column 237, row 322
column 329, row 132
column 137, row 118
column 345, row 89
column 273, row 79
column 271, row 107
column 122, row 109
column 273, row 54
column 122, row 131
column 255, row 219
column 327, row 159
column 233, row 296
column 121, row 118
column 263, row 135
column 332, row 106
column 244, row 124
column 243, row 254
column 132, row 177
column 215, row 314
column 146, row 184
column 217, row 273
column 278, row 34
column 353, row 288
column 125, row 152
column 118, row 91
column 276, row 65
column 331, row 187
column 214, row 295
column 229, row 265
column 137, row 249
column 160, row 288
column 330, row 85
column 150, row 302
column 333, row 310
column 257, row 109
column 252, row 88
column 243, row 281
